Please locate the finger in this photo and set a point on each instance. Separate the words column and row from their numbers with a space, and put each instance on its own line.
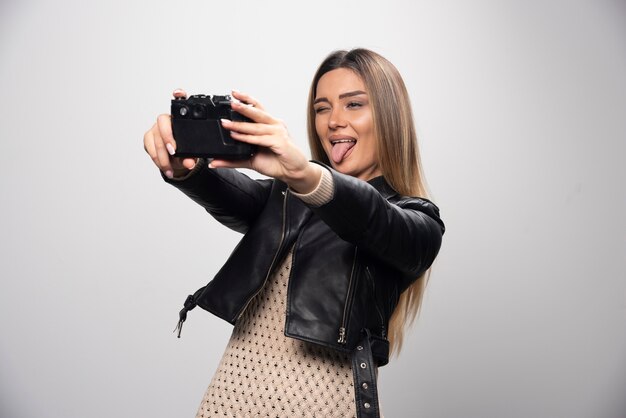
column 165, row 130
column 247, row 99
column 162, row 154
column 189, row 163
column 216, row 163
column 179, row 94
column 256, row 114
column 261, row 140
column 148, row 145
column 247, row 127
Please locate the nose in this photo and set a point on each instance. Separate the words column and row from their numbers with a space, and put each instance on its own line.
column 336, row 119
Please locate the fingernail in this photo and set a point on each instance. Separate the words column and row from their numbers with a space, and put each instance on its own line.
column 224, row 121
column 235, row 91
column 211, row 164
column 169, row 174
column 170, row 149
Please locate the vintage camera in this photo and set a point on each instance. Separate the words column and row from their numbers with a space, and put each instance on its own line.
column 199, row 133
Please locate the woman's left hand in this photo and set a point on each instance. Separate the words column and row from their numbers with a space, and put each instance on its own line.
column 277, row 156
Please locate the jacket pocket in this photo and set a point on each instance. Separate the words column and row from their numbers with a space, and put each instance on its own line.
column 381, row 319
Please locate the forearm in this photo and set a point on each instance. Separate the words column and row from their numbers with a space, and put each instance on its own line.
column 231, row 197
column 406, row 234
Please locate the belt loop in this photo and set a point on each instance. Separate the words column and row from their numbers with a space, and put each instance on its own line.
column 365, row 385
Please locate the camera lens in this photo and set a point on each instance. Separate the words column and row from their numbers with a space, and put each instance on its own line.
column 199, row 111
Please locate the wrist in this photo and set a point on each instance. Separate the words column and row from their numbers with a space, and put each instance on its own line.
column 323, row 192
column 306, row 180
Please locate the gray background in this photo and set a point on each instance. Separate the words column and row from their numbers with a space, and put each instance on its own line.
column 520, row 108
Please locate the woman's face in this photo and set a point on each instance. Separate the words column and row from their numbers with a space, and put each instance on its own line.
column 344, row 123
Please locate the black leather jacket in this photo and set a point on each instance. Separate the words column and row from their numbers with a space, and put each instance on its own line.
column 353, row 256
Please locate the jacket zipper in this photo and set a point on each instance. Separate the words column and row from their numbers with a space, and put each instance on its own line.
column 282, row 238
column 383, row 331
column 342, row 328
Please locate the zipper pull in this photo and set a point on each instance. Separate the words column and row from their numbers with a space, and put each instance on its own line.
column 342, row 335
column 179, row 326
column 190, row 303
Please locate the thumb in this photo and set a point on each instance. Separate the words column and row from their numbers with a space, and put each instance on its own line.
column 189, row 163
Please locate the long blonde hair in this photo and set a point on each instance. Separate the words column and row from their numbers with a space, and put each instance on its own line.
column 397, row 151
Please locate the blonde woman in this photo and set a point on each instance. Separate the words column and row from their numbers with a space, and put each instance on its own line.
column 335, row 252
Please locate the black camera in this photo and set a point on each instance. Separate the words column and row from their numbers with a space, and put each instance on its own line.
column 199, row 133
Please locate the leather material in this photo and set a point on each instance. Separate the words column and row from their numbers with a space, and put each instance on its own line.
column 352, row 258
column 365, row 379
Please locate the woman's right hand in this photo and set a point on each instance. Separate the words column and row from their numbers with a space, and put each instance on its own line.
column 159, row 143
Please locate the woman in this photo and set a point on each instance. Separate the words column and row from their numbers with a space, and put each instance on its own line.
column 335, row 253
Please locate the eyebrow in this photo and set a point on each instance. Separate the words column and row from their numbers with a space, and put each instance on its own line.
column 341, row 96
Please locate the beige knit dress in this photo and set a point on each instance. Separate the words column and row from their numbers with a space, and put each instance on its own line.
column 263, row 373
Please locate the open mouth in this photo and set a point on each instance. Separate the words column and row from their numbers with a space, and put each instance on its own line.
column 341, row 148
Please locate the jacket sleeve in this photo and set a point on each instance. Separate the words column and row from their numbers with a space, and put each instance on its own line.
column 405, row 234
column 231, row 197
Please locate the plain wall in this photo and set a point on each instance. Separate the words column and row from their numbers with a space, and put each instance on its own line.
column 521, row 113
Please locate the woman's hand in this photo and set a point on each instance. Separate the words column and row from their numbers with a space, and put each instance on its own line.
column 159, row 143
column 277, row 155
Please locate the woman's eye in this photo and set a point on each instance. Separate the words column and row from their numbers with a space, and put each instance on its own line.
column 320, row 109
column 353, row 105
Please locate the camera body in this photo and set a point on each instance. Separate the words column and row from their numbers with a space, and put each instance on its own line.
column 199, row 133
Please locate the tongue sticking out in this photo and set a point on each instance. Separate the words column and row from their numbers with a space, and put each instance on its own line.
column 340, row 150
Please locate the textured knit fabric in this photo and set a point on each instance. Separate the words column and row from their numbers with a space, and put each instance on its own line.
column 322, row 193
column 265, row 374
